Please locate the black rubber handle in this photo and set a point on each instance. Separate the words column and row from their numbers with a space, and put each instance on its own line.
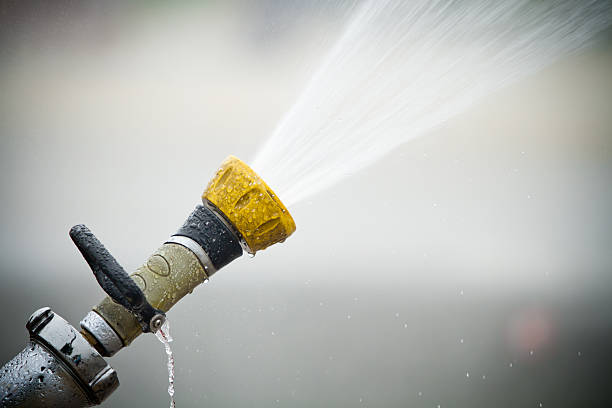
column 112, row 277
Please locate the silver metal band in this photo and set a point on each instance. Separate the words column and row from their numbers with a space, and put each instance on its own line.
column 108, row 339
column 197, row 250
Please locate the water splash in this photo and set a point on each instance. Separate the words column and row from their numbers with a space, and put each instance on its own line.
column 402, row 68
column 163, row 335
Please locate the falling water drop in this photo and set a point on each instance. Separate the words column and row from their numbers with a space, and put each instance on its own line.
column 163, row 335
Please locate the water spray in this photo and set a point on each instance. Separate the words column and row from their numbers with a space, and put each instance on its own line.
column 64, row 367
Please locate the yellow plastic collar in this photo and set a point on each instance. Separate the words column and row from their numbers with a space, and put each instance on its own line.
column 249, row 204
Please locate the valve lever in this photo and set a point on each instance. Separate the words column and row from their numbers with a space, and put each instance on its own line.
column 115, row 281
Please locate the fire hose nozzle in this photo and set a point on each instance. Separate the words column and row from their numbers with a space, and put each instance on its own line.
column 239, row 211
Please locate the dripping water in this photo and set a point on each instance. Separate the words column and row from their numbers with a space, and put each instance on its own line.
column 163, row 335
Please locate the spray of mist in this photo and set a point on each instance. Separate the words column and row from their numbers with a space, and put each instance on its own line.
column 402, row 68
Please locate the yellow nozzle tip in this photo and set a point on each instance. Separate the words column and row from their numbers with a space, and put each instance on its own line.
column 249, row 204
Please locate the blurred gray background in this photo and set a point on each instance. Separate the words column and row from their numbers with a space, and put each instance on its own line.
column 470, row 268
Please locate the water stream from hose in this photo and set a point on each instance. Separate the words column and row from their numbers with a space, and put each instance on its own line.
column 402, row 68
column 163, row 335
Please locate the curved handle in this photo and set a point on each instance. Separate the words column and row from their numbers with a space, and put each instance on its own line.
column 114, row 280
